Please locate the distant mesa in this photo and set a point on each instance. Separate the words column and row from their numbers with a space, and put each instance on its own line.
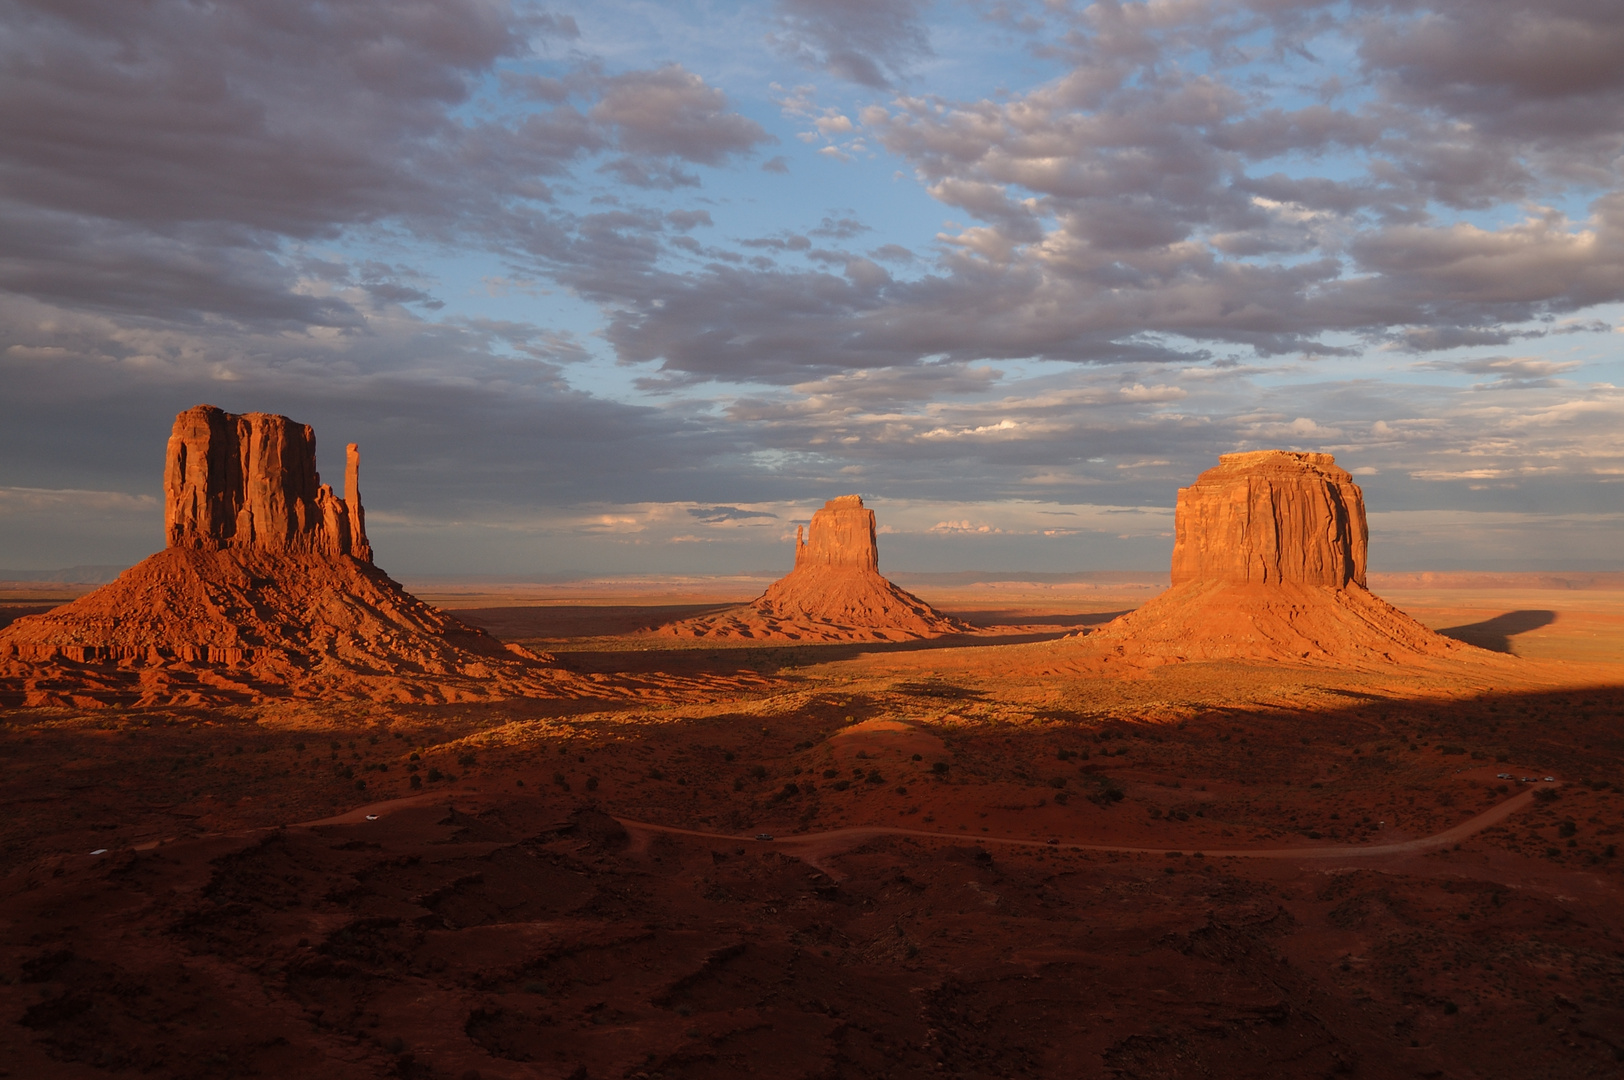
column 1269, row 554
column 266, row 588
column 835, row 593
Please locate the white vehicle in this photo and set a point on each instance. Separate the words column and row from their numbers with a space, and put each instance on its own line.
column 1502, row 776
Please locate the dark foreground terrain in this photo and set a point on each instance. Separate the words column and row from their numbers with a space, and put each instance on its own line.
column 553, row 891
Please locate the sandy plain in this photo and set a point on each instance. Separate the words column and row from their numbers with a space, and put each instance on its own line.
column 916, row 859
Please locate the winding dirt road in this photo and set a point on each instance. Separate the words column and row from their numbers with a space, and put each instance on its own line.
column 813, row 847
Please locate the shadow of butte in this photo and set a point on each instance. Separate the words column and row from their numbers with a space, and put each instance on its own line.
column 1495, row 634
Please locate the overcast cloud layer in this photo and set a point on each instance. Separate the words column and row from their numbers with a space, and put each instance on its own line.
column 620, row 287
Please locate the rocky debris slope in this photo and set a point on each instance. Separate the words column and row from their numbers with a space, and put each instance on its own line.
column 1269, row 564
column 267, row 588
column 834, row 593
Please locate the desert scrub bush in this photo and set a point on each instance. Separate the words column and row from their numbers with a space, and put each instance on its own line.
column 1108, row 792
column 435, row 775
column 939, row 768
column 758, row 772
column 874, row 777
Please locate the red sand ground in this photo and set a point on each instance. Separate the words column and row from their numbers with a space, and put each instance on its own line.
column 909, row 917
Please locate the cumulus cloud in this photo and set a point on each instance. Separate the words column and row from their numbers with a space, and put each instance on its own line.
column 674, row 112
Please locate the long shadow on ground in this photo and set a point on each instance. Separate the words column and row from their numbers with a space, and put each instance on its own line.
column 538, row 627
column 1495, row 634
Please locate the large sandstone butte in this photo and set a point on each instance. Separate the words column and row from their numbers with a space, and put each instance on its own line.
column 250, row 481
column 266, row 588
column 835, row 592
column 1271, row 517
column 1269, row 564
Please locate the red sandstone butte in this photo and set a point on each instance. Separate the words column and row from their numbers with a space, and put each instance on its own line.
column 267, row 587
column 250, row 481
column 834, row 593
column 1269, row 556
column 1268, row 517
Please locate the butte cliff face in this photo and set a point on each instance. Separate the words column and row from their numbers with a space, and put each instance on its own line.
column 250, row 481
column 1270, row 517
column 1269, row 556
column 834, row 593
column 841, row 540
column 266, row 588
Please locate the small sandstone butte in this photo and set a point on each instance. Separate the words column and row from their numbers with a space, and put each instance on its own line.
column 266, row 587
column 835, row 592
column 1269, row 564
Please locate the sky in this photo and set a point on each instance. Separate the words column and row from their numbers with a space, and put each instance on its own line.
column 627, row 287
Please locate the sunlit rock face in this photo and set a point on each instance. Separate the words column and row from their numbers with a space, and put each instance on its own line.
column 266, row 587
column 249, row 481
column 1269, row 566
column 834, row 593
column 1271, row 517
column 841, row 537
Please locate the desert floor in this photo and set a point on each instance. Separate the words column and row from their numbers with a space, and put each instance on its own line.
column 950, row 858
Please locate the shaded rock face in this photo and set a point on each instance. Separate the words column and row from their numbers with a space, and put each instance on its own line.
column 249, row 481
column 1271, row 517
column 841, row 537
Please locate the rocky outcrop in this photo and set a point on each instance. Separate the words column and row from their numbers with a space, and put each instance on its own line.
column 1269, row 565
column 1271, row 517
column 834, row 593
column 249, row 482
column 266, row 588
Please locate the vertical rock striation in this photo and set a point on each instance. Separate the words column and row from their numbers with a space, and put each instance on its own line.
column 1270, row 517
column 840, row 538
column 249, row 482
